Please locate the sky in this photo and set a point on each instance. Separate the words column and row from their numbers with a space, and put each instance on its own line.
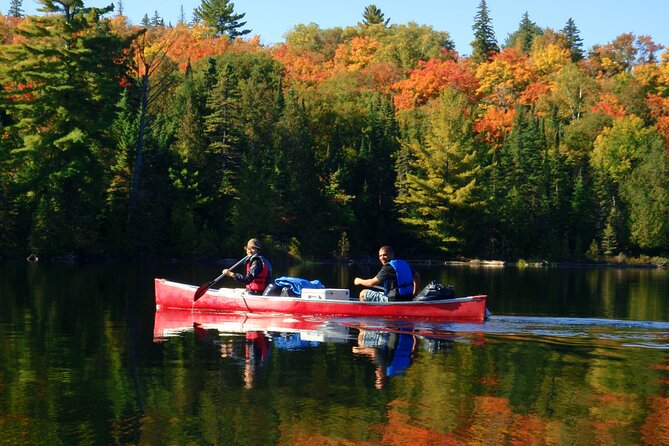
column 599, row 21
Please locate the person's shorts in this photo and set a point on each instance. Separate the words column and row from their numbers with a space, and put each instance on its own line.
column 375, row 296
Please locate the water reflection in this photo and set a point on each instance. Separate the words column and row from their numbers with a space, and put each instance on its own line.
column 391, row 352
column 569, row 357
column 250, row 338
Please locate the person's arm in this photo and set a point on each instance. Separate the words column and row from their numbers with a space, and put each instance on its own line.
column 416, row 282
column 254, row 270
column 378, row 280
column 368, row 283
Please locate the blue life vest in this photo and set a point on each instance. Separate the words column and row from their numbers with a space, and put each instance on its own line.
column 404, row 278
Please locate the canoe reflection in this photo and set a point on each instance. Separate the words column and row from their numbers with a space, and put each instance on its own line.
column 390, row 347
column 261, row 334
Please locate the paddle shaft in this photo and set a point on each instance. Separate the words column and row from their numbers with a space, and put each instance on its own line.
column 203, row 288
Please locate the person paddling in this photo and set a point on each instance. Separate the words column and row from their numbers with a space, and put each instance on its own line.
column 399, row 280
column 258, row 269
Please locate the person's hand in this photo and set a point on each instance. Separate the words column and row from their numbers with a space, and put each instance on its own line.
column 226, row 272
column 357, row 281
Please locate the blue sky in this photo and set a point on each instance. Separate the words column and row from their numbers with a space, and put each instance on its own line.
column 599, row 21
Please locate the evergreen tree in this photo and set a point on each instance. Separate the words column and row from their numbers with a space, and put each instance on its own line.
column 374, row 174
column 15, row 8
column 223, row 128
column 373, row 16
column 523, row 37
column 69, row 65
column 156, row 20
column 581, row 218
column 119, row 8
column 295, row 181
column 146, row 22
column 182, row 15
column 609, row 234
column 444, row 195
column 574, row 41
column 196, row 211
column 484, row 45
column 220, row 15
column 521, row 201
column 257, row 77
column 124, row 130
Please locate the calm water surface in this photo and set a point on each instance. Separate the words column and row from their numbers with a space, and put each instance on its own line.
column 570, row 356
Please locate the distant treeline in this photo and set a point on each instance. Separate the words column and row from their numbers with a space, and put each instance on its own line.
column 186, row 140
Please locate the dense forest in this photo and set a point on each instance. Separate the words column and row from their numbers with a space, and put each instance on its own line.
column 185, row 140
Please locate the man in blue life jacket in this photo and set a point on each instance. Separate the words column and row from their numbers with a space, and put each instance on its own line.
column 258, row 269
column 398, row 279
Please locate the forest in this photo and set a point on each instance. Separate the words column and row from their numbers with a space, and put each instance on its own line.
column 183, row 141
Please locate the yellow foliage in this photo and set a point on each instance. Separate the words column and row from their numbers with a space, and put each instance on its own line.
column 356, row 53
column 503, row 78
column 550, row 59
column 663, row 75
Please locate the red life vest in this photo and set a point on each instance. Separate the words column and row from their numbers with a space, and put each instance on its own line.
column 259, row 282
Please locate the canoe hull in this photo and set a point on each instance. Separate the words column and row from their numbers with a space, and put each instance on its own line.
column 173, row 295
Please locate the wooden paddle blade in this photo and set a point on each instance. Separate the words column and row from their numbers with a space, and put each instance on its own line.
column 201, row 290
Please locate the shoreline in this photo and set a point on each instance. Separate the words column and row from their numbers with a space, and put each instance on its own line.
column 614, row 262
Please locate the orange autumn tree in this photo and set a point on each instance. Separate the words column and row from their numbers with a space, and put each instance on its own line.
column 430, row 79
column 189, row 44
column 301, row 65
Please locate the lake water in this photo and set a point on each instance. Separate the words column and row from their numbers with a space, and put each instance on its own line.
column 570, row 356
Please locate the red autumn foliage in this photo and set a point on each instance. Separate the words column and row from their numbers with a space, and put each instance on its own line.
column 495, row 125
column 608, row 104
column 428, row 81
column 534, row 92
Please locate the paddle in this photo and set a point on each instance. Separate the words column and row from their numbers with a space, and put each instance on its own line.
column 205, row 286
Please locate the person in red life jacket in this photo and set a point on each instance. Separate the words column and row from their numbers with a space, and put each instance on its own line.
column 398, row 279
column 258, row 269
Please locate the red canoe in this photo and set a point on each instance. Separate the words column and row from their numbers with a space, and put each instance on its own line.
column 324, row 302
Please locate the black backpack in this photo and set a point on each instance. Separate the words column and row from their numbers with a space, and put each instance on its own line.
column 436, row 291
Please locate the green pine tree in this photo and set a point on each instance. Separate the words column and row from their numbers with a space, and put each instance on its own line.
column 15, row 8
column 220, row 15
column 574, row 41
column 444, row 193
column 69, row 65
column 523, row 37
column 373, row 16
column 484, row 45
